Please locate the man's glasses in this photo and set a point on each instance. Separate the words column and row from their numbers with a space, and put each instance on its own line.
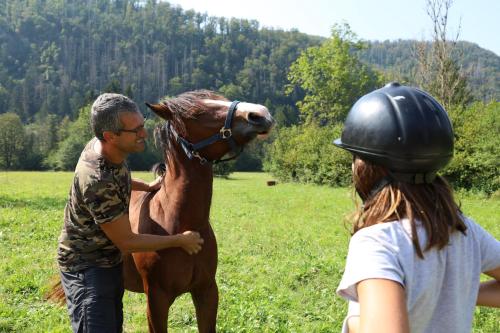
column 135, row 130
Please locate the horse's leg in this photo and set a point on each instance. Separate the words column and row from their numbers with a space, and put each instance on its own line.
column 206, row 301
column 159, row 303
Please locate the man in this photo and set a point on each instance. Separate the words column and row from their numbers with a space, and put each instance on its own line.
column 96, row 224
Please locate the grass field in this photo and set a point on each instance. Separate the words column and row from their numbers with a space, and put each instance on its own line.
column 281, row 255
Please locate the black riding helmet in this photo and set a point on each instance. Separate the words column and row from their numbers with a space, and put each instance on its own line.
column 401, row 128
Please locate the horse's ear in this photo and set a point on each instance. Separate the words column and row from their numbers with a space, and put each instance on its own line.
column 160, row 110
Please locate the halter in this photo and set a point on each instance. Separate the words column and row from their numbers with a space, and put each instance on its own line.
column 225, row 134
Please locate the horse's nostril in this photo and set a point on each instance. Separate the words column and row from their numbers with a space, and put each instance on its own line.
column 255, row 119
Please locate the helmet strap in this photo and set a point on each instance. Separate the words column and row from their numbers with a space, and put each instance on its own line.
column 414, row 178
column 379, row 185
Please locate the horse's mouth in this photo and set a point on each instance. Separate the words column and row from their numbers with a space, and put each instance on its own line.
column 263, row 135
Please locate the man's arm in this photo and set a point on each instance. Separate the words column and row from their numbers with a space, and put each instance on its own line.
column 120, row 233
column 382, row 307
column 141, row 185
column 489, row 291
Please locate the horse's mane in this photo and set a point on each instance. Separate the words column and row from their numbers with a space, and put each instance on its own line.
column 187, row 105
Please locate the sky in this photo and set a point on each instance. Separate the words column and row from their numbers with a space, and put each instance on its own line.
column 476, row 21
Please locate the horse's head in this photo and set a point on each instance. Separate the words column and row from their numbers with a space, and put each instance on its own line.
column 208, row 126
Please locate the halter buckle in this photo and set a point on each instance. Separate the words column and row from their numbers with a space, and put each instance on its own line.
column 226, row 133
column 202, row 159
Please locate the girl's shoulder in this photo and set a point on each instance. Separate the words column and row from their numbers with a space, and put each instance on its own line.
column 475, row 230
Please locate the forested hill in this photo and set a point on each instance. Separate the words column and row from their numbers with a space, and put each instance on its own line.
column 56, row 55
column 397, row 58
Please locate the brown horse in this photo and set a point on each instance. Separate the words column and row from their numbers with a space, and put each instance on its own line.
column 201, row 127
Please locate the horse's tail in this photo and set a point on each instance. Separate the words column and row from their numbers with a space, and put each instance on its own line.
column 56, row 292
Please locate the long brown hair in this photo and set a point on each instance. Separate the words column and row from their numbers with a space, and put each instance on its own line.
column 431, row 204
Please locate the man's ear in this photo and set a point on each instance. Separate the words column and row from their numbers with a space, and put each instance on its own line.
column 108, row 136
column 161, row 110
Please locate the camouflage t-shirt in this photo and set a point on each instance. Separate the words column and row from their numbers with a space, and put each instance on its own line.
column 100, row 193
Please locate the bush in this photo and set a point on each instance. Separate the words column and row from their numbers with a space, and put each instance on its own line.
column 477, row 147
column 307, row 154
column 223, row 169
column 252, row 156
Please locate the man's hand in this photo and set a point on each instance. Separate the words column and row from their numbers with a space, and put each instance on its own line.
column 141, row 185
column 120, row 233
column 191, row 242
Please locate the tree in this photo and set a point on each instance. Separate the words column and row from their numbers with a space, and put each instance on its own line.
column 438, row 72
column 79, row 133
column 332, row 77
column 44, row 130
column 129, row 91
column 11, row 139
column 113, row 87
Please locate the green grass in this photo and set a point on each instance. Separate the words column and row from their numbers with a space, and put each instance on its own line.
column 281, row 255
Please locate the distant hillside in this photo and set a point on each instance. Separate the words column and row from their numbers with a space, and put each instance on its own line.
column 55, row 56
column 397, row 59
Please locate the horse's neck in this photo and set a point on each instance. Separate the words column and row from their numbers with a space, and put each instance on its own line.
column 183, row 203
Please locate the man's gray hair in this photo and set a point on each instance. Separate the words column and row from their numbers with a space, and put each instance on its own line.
column 106, row 110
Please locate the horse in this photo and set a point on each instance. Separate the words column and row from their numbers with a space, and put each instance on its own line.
column 200, row 128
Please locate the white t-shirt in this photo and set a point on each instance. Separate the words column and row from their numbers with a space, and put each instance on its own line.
column 441, row 290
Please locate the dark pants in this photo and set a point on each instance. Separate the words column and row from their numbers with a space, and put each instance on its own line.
column 94, row 298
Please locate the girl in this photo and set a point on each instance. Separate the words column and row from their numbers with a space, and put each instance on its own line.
column 414, row 261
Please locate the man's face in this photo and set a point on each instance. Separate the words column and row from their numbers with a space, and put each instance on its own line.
column 131, row 138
